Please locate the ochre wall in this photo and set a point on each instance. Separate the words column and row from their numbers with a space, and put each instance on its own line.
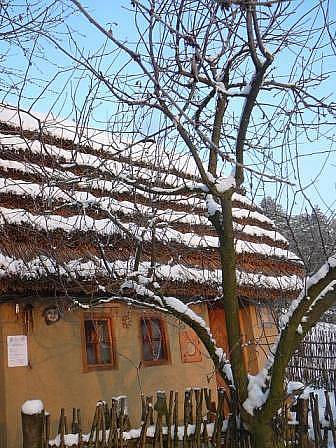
column 257, row 334
column 56, row 372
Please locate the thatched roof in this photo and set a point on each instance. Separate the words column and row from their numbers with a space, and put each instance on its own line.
column 70, row 210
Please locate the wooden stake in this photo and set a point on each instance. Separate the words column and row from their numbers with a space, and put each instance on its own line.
column 161, row 409
column 198, row 417
column 32, row 430
column 175, row 420
column 330, row 416
column 169, row 418
column 302, row 417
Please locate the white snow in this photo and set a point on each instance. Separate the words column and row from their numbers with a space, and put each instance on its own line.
column 182, row 308
column 299, row 329
column 258, row 391
column 97, row 139
column 70, row 439
column 51, row 193
column 212, row 206
column 307, row 283
column 224, row 184
column 85, row 223
column 322, row 272
column 294, row 386
column 134, row 433
column 43, row 266
column 233, row 91
column 32, row 407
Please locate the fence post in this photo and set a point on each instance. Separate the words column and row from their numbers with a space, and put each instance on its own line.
column 32, row 414
column 302, row 417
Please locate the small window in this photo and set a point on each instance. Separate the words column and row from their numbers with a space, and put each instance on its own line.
column 154, row 341
column 99, row 353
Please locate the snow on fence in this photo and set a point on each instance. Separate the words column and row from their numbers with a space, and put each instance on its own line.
column 314, row 363
column 205, row 424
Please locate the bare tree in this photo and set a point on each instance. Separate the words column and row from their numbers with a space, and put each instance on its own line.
column 235, row 84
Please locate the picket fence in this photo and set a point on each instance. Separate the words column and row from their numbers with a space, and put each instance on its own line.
column 205, row 424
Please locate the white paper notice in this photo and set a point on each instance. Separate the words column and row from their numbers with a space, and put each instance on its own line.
column 17, row 351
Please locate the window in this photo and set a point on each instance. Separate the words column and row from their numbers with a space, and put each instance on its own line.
column 98, row 340
column 154, row 341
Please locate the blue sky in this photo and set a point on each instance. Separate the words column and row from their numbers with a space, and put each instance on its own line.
column 316, row 167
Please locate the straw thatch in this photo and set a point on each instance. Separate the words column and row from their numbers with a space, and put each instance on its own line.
column 64, row 194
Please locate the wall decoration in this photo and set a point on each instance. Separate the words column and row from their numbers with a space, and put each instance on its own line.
column 17, row 350
column 190, row 346
column 51, row 315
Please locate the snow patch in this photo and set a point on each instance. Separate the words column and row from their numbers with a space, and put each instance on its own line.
column 258, row 391
column 32, row 407
column 224, row 184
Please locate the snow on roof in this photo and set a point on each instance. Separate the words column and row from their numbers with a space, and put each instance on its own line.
column 76, row 202
column 44, row 266
column 97, row 138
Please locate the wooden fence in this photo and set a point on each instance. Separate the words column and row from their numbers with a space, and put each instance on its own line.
column 314, row 362
column 204, row 424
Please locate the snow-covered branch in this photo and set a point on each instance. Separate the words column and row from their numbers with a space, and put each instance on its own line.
column 317, row 296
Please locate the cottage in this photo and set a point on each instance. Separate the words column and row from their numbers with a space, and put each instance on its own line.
column 78, row 214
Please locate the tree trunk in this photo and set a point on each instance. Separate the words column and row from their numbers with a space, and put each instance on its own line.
column 264, row 436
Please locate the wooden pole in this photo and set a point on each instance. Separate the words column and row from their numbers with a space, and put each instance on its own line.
column 330, row 416
column 46, row 430
column 302, row 417
column 161, row 409
column 32, row 415
column 198, row 417
column 175, row 420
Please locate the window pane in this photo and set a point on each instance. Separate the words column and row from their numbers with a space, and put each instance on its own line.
column 146, row 340
column 90, row 333
column 157, row 350
column 105, row 354
column 98, row 342
column 103, row 341
column 153, row 340
column 90, row 339
column 91, row 354
column 147, row 353
column 156, row 329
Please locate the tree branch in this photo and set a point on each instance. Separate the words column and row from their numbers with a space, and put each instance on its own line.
column 318, row 295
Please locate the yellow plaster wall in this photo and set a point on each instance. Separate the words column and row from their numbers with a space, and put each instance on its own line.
column 56, row 373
